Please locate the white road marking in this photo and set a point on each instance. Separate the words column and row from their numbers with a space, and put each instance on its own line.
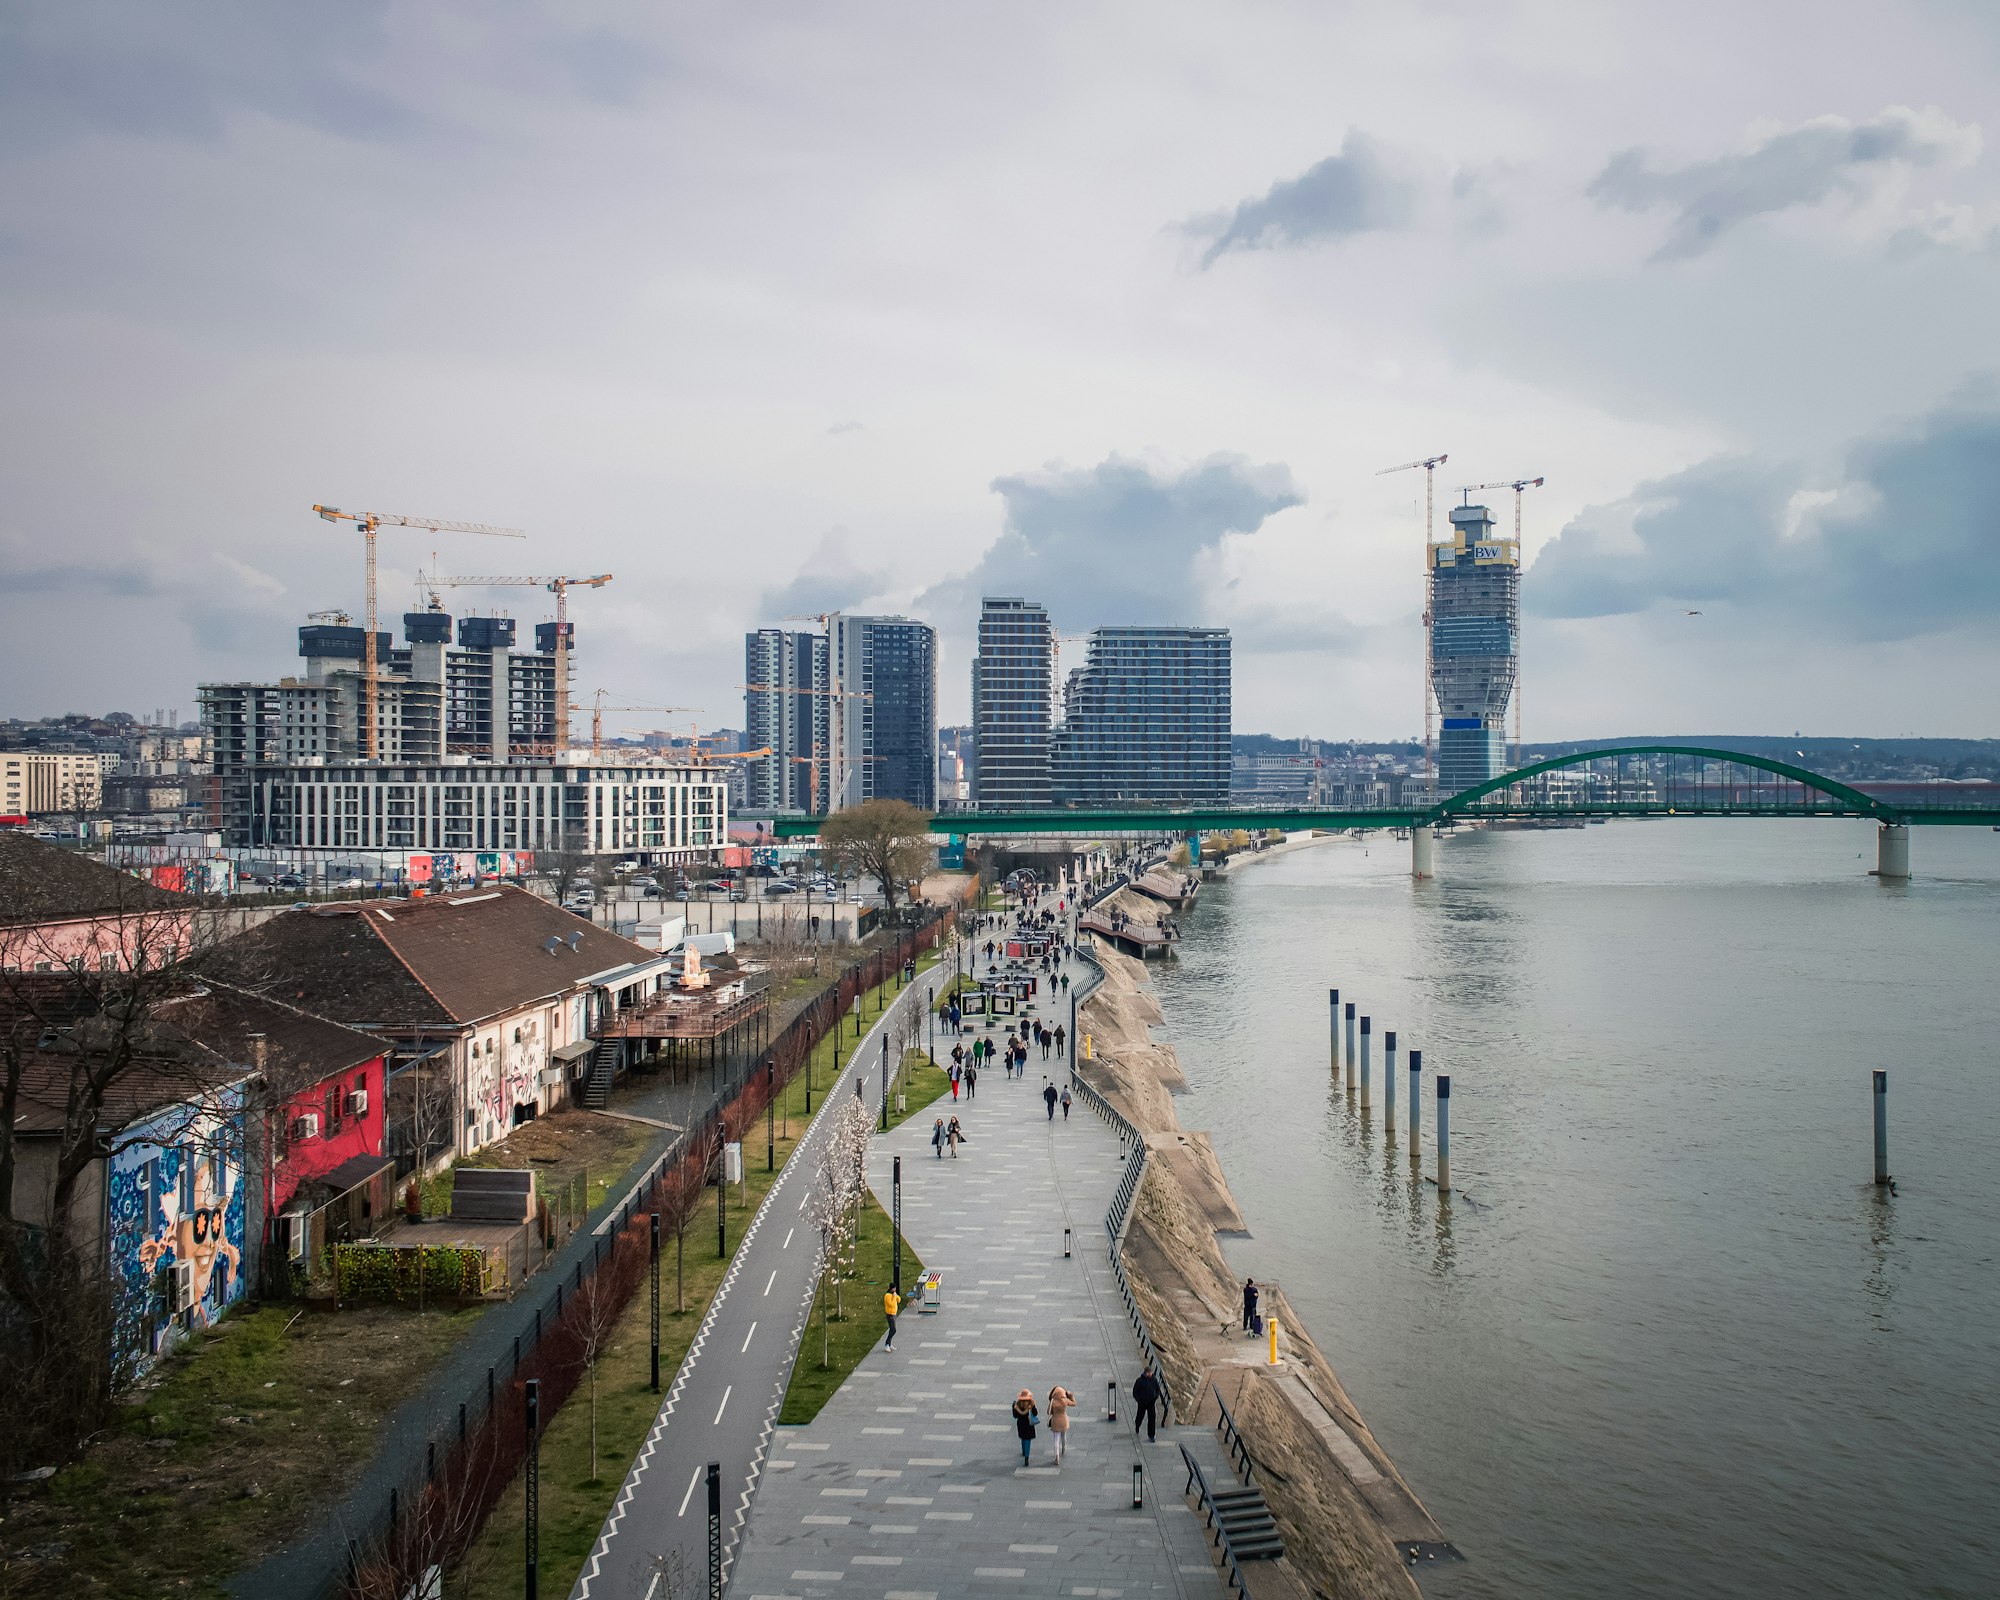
column 771, row 1280
column 692, row 1481
column 725, row 1401
column 746, row 1345
column 788, row 1238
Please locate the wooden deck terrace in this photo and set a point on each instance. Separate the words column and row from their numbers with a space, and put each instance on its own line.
column 1167, row 887
column 1140, row 938
column 677, row 1014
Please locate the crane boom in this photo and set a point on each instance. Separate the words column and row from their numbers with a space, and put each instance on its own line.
column 369, row 522
column 560, row 587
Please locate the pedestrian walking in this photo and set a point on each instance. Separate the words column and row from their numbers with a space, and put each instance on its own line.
column 937, row 1137
column 1065, row 983
column 954, row 1136
column 1047, row 1040
column 891, row 1304
column 1049, row 1098
column 1062, row 1038
column 971, row 1082
column 1025, row 1418
column 954, row 1082
column 1065, row 1102
column 1145, row 1396
column 1060, row 1402
column 1249, row 1305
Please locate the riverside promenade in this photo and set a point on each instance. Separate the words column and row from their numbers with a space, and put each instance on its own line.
column 909, row 1484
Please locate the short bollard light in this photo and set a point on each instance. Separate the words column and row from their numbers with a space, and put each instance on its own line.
column 1138, row 1486
column 1111, row 1401
column 1065, row 1244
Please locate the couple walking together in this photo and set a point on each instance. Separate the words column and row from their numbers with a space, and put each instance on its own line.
column 1026, row 1418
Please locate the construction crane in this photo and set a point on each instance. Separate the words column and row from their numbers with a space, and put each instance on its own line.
column 837, row 696
column 369, row 522
column 1430, row 464
column 560, row 588
column 339, row 619
column 597, row 719
column 1520, row 486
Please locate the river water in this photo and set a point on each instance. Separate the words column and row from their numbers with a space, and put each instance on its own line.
column 1666, row 1338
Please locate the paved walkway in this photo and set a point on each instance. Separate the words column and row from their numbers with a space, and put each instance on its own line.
column 724, row 1399
column 909, row 1484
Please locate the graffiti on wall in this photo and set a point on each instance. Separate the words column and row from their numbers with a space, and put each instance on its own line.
column 506, row 1072
column 177, row 1202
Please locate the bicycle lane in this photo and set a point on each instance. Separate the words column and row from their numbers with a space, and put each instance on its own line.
column 724, row 1400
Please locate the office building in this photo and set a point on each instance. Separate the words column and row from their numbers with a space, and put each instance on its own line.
column 37, row 783
column 1475, row 594
column 786, row 709
column 1013, row 682
column 885, row 717
column 1146, row 720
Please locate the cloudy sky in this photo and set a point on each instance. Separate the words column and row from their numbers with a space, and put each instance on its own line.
column 773, row 308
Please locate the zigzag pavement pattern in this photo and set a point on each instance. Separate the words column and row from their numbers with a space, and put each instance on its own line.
column 662, row 1506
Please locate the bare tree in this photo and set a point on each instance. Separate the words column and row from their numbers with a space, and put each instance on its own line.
column 682, row 1186
column 597, row 1315
column 570, row 864
column 888, row 840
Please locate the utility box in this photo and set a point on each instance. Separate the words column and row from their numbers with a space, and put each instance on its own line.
column 732, row 1162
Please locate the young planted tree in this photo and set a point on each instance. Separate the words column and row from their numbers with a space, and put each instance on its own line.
column 833, row 1204
column 888, row 840
column 598, row 1311
column 682, row 1186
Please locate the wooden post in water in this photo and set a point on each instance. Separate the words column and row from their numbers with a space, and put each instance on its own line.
column 1350, row 1044
column 1333, row 1022
column 1389, row 1081
column 1444, row 1132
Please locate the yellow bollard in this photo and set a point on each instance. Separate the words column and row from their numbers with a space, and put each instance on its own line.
column 1088, row 1053
column 1272, row 1324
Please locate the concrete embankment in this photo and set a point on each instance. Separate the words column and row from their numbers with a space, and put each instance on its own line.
column 1346, row 1513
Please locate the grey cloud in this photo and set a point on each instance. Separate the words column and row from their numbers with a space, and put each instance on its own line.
column 1120, row 542
column 848, row 427
column 829, row 579
column 1356, row 191
column 1902, row 548
column 1801, row 166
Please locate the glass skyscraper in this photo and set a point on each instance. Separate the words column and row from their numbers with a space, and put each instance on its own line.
column 1475, row 594
column 1146, row 720
column 786, row 709
column 887, row 741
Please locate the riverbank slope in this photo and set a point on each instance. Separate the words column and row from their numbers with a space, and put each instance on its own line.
column 1347, row 1515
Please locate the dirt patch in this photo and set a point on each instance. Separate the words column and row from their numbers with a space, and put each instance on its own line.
column 559, row 1149
column 236, row 1445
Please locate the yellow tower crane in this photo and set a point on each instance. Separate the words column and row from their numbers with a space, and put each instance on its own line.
column 837, row 696
column 1520, row 486
column 560, row 588
column 1430, row 464
column 597, row 719
column 369, row 522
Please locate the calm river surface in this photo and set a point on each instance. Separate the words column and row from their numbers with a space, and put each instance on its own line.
column 1666, row 1339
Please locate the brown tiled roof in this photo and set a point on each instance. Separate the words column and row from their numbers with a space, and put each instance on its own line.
column 197, row 1038
column 441, row 960
column 42, row 882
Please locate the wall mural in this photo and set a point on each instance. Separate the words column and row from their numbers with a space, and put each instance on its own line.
column 509, row 1074
column 176, row 1197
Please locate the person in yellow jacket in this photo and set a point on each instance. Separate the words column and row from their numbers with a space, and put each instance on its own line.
column 892, row 1302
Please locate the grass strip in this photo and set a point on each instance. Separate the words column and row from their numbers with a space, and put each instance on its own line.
column 846, row 1324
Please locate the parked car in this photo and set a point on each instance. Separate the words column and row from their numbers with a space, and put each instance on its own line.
column 643, row 885
column 684, row 893
column 349, row 883
column 289, row 880
column 739, row 894
column 781, row 888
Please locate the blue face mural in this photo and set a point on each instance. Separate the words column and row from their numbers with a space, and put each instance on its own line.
column 176, row 1200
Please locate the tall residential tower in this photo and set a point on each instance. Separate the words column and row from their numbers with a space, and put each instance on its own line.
column 1013, row 683
column 1475, row 591
column 1146, row 720
column 885, row 719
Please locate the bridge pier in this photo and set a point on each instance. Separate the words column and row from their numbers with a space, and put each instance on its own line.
column 1892, row 850
column 1421, row 845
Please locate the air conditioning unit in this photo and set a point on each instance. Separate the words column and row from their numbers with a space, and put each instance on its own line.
column 306, row 1126
column 184, row 1295
column 356, row 1103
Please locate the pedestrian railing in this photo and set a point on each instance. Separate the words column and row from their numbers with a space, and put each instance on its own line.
column 1120, row 1210
column 1232, row 1439
column 1197, row 1479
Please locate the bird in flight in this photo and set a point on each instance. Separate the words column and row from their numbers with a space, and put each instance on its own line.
column 1694, row 613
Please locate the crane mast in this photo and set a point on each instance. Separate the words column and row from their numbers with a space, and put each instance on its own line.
column 560, row 588
column 1430, row 464
column 369, row 522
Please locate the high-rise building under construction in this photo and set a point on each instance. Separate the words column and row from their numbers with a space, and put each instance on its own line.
column 1475, row 606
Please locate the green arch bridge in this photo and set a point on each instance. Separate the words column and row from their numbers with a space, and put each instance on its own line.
column 1647, row 780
